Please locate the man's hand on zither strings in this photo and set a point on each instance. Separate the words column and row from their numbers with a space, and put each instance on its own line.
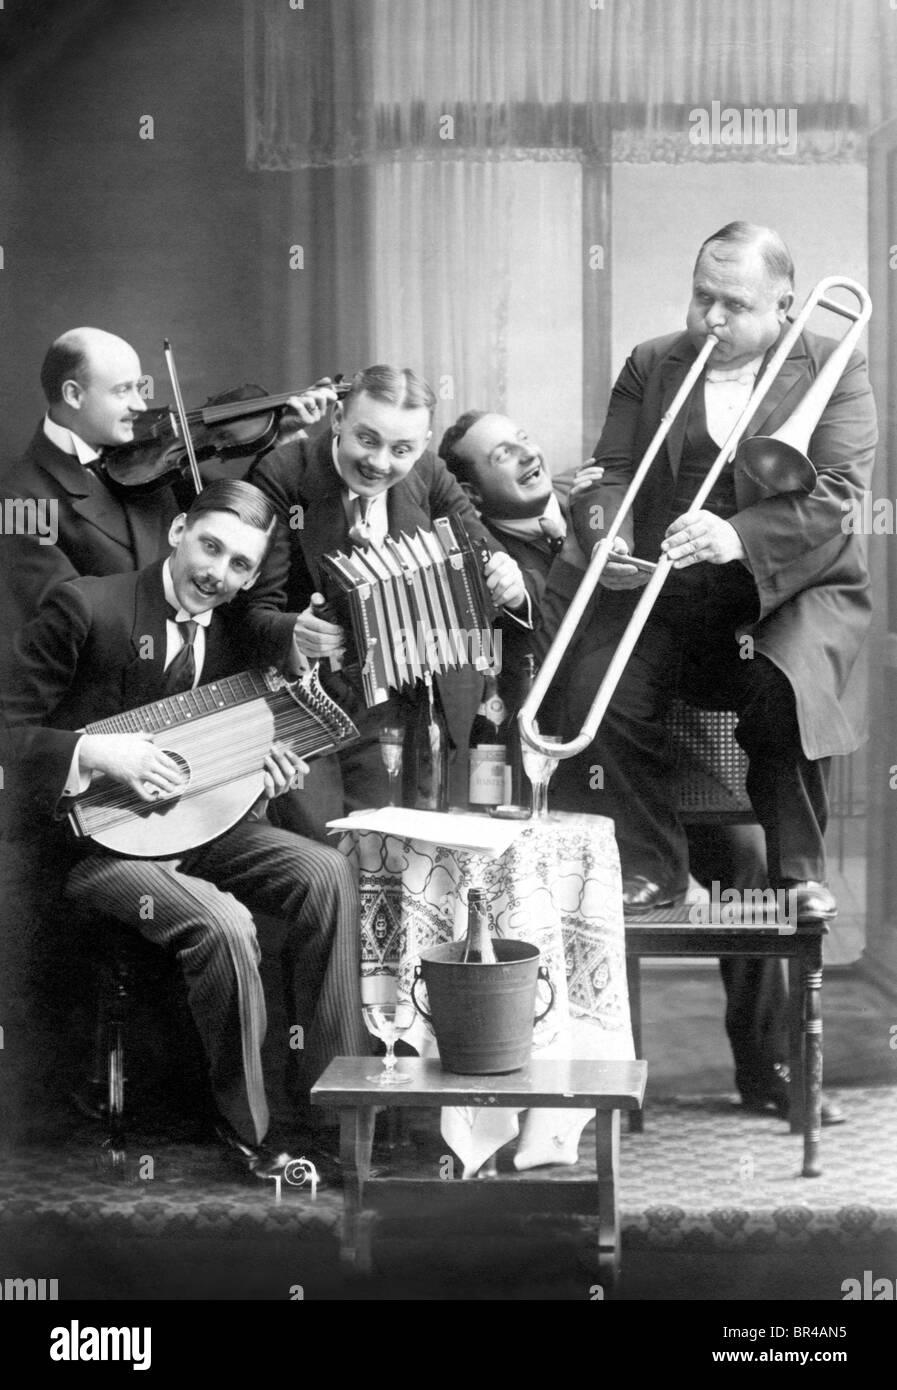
column 133, row 760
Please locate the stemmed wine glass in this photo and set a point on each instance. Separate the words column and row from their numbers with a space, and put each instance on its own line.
column 539, row 768
column 391, row 740
column 388, row 1022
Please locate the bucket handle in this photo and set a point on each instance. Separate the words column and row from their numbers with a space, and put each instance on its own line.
column 543, row 975
column 420, row 1008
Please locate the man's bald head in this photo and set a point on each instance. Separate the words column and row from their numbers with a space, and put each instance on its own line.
column 90, row 379
column 736, row 237
column 71, row 356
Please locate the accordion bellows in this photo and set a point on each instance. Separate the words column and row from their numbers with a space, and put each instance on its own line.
column 417, row 606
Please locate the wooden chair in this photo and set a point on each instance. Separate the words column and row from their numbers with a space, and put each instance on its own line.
column 711, row 769
column 127, row 971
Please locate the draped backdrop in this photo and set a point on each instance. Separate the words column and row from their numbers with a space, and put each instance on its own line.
column 428, row 125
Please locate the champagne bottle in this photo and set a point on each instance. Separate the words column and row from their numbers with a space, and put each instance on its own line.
column 488, row 752
column 518, row 788
column 478, row 948
column 425, row 758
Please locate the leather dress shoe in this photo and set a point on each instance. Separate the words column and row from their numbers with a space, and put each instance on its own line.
column 640, row 895
column 813, row 901
column 776, row 1098
column 267, row 1161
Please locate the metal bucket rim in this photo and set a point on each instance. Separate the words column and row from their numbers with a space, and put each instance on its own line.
column 522, row 953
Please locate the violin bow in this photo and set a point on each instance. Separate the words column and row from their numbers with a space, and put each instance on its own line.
column 182, row 416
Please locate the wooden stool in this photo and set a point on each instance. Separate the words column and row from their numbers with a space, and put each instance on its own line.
column 606, row 1087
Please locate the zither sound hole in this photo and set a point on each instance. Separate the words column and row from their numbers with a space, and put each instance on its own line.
column 186, row 773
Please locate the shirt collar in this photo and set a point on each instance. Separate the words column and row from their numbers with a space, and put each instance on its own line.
column 529, row 525
column 378, row 501
column 69, row 442
column 180, row 614
column 746, row 372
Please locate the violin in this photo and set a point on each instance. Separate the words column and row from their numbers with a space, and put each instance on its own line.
column 236, row 422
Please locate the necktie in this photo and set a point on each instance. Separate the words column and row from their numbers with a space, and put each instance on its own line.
column 181, row 674
column 554, row 533
column 360, row 530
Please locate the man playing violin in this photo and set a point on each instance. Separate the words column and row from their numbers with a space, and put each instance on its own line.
column 101, row 646
column 370, row 474
column 91, row 380
column 767, row 605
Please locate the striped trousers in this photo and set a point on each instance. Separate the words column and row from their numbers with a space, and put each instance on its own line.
column 201, row 906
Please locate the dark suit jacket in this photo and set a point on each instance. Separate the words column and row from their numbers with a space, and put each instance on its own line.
column 304, row 486
column 84, row 657
column 98, row 532
column 812, row 579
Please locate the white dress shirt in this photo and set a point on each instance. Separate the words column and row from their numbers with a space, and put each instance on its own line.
column 69, row 442
column 529, row 527
column 726, row 393
column 79, row 780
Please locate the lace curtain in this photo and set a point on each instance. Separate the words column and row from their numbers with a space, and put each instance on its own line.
column 406, row 133
column 352, row 81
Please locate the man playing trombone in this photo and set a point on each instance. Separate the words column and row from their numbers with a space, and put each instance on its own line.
column 767, row 605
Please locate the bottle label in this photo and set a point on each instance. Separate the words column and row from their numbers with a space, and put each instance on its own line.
column 487, row 774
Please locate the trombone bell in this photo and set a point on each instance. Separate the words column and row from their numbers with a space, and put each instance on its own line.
column 774, row 465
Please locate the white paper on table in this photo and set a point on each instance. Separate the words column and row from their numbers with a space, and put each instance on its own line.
column 479, row 834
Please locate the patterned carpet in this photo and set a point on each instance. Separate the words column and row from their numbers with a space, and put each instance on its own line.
column 703, row 1178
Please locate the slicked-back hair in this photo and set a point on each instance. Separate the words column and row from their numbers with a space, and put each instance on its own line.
column 773, row 251
column 242, row 500
column 462, row 468
column 62, row 363
column 395, row 385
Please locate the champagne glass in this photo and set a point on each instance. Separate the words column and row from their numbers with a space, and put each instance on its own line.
column 391, row 740
column 388, row 1020
column 539, row 768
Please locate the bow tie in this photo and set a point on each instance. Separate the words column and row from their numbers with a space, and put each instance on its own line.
column 745, row 377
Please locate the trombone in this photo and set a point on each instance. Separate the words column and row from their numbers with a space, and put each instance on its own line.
column 774, row 464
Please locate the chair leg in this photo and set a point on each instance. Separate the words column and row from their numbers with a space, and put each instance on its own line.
column 115, row 1060
column 796, row 1043
column 811, row 980
column 634, row 981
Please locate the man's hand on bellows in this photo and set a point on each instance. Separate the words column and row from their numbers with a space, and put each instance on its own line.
column 617, row 574
column 133, row 760
column 314, row 636
column 702, row 536
column 505, row 581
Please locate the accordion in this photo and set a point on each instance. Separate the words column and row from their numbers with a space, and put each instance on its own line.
column 417, row 606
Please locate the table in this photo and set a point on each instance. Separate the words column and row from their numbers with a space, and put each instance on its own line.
column 603, row 1087
column 558, row 887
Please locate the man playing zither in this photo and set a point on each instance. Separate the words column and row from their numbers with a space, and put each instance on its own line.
column 98, row 647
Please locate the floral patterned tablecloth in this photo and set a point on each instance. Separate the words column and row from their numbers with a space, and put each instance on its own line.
column 557, row 887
